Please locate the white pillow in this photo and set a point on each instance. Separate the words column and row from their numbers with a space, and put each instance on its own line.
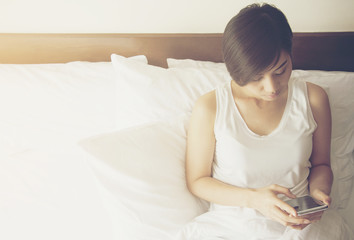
column 141, row 170
column 340, row 87
column 190, row 63
column 46, row 105
column 148, row 93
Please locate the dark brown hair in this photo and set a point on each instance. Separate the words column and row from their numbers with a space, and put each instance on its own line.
column 253, row 41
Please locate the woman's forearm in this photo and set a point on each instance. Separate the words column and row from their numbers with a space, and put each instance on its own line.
column 215, row 191
column 321, row 178
column 264, row 200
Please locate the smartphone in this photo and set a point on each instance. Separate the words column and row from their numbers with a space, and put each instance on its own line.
column 306, row 205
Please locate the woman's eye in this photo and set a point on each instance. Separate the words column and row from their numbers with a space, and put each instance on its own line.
column 280, row 72
column 257, row 79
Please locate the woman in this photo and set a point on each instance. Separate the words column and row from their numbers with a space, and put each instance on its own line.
column 259, row 140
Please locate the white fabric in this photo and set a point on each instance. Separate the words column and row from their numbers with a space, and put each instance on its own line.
column 148, row 93
column 46, row 189
column 226, row 224
column 282, row 157
column 190, row 63
column 48, row 105
column 50, row 195
column 141, row 170
column 340, row 88
column 245, row 159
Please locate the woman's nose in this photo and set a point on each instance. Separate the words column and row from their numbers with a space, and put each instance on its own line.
column 270, row 85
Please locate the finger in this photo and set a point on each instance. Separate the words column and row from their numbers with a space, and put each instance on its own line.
column 277, row 217
column 299, row 227
column 283, row 190
column 290, row 220
column 321, row 196
column 327, row 200
column 287, row 208
column 314, row 216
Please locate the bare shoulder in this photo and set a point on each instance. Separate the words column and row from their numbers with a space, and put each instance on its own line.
column 319, row 101
column 206, row 104
column 204, row 112
column 317, row 95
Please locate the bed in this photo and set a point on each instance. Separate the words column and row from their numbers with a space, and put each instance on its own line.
column 93, row 129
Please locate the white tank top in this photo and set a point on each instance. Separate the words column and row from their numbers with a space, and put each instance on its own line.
column 245, row 159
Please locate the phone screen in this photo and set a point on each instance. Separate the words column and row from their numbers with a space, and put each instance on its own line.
column 306, row 205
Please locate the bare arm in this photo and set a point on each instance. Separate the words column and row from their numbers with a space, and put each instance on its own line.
column 200, row 154
column 321, row 176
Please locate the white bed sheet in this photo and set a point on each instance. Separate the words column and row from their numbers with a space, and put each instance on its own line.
column 50, row 195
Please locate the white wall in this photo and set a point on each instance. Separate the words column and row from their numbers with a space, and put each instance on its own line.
column 161, row 16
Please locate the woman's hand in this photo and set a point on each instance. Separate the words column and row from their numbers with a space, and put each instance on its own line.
column 322, row 198
column 267, row 202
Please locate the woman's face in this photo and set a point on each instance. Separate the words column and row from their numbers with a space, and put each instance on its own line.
column 272, row 83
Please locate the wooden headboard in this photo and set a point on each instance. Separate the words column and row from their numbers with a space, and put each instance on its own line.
column 321, row 51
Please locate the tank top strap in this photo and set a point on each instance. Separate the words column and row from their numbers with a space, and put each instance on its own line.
column 226, row 117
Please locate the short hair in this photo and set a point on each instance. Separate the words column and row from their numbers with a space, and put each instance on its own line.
column 254, row 39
